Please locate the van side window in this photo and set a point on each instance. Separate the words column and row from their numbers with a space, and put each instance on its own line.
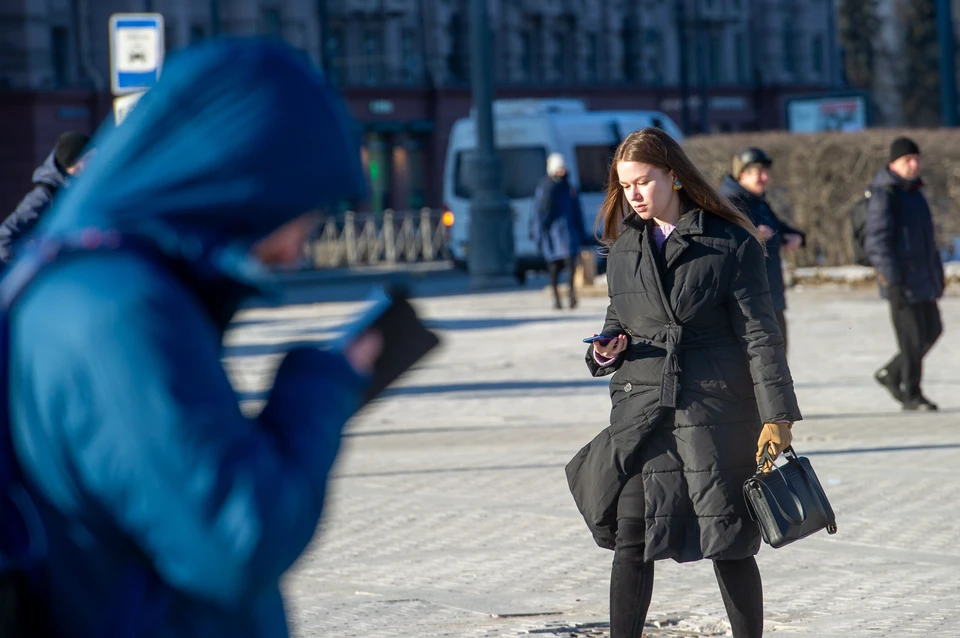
column 521, row 169
column 593, row 166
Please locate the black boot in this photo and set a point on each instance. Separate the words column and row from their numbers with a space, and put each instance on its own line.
column 882, row 376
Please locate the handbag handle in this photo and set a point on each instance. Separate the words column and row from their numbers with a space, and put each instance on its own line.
column 790, row 455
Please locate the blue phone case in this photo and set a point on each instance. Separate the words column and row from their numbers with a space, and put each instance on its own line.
column 598, row 338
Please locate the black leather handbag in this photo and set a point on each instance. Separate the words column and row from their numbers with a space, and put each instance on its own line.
column 788, row 502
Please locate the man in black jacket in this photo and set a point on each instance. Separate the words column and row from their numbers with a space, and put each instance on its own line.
column 746, row 186
column 64, row 161
column 901, row 245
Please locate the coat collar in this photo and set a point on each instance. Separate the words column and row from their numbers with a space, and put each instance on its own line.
column 690, row 224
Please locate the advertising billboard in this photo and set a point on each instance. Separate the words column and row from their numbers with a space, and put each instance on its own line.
column 818, row 113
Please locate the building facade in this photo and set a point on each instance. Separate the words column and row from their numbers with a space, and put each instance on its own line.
column 404, row 66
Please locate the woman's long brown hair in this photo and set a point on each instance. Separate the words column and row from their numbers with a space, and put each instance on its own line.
column 654, row 147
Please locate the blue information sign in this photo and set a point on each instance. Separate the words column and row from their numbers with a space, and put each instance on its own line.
column 136, row 51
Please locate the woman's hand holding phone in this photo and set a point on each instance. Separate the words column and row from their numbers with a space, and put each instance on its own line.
column 363, row 352
column 611, row 349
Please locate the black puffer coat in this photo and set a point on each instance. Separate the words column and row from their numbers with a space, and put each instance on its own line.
column 706, row 369
column 900, row 239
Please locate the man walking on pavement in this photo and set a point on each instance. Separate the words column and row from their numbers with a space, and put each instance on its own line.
column 901, row 245
column 746, row 186
column 64, row 162
column 556, row 225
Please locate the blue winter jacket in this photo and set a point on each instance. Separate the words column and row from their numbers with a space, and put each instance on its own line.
column 900, row 240
column 556, row 225
column 47, row 180
column 169, row 513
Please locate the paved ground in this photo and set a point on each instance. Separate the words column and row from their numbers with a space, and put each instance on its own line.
column 449, row 514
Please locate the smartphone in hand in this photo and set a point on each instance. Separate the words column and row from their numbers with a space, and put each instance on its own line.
column 406, row 339
column 602, row 339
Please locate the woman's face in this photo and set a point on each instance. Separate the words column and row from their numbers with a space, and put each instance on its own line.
column 648, row 189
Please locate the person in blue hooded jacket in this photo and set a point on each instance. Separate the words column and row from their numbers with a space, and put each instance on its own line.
column 65, row 161
column 167, row 511
column 556, row 225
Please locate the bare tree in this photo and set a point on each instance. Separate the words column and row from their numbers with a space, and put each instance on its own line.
column 920, row 82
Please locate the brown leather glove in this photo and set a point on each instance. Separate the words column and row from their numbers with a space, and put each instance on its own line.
column 774, row 437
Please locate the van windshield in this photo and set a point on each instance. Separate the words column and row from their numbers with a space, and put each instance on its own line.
column 521, row 169
column 593, row 166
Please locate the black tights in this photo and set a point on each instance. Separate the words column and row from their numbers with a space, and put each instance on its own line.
column 631, row 579
column 556, row 267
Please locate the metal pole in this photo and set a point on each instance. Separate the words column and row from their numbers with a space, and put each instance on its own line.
column 700, row 35
column 833, row 48
column 684, row 66
column 948, row 71
column 214, row 17
column 324, row 26
column 491, row 258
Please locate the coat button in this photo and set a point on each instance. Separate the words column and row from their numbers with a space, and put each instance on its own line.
column 627, row 387
column 628, row 331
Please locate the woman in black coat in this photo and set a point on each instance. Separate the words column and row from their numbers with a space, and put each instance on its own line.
column 700, row 386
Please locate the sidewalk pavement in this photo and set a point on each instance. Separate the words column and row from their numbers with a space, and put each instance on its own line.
column 449, row 513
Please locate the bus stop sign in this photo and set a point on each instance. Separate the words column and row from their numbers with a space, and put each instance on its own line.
column 136, row 51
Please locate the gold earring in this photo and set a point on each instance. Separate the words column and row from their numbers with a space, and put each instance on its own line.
column 677, row 185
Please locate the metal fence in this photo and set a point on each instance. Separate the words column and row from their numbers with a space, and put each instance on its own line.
column 389, row 237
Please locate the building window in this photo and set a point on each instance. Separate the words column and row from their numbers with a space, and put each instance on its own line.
column 743, row 59
column 714, row 59
column 59, row 53
column 592, row 59
column 789, row 47
column 816, row 54
column 568, row 54
column 559, row 56
column 373, row 54
column 411, row 70
column 693, row 59
column 631, row 51
column 526, row 54
column 458, row 62
column 270, row 22
column 336, row 61
column 653, row 44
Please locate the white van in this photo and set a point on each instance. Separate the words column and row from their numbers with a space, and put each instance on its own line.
column 526, row 131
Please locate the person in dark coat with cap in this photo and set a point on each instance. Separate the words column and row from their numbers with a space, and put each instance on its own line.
column 746, row 186
column 901, row 245
column 64, row 161
column 700, row 384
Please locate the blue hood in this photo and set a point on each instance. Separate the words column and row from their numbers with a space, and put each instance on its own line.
column 48, row 173
column 238, row 137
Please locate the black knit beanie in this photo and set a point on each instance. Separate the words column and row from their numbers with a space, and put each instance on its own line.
column 69, row 148
column 903, row 146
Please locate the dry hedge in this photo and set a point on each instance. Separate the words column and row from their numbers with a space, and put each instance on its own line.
column 817, row 178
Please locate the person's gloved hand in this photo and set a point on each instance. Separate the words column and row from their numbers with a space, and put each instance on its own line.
column 774, row 437
column 897, row 295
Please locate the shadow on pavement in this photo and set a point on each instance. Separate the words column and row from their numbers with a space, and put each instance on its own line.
column 893, row 448
column 346, row 287
column 874, row 415
column 496, row 386
column 551, row 466
column 454, row 470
